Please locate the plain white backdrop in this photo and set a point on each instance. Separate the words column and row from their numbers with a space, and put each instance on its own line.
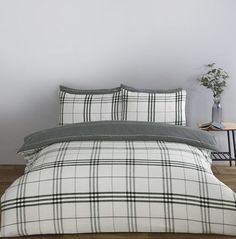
column 100, row 44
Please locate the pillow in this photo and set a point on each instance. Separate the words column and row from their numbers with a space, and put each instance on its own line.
column 89, row 105
column 167, row 106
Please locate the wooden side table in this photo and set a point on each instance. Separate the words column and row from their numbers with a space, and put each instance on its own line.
column 229, row 128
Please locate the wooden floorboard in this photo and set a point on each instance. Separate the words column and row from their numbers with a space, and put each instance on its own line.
column 8, row 173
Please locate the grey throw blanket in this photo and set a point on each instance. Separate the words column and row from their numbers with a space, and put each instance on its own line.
column 119, row 131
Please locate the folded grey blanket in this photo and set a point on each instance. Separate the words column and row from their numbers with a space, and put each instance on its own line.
column 119, row 131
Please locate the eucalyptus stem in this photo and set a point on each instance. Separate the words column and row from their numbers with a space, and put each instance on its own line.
column 214, row 79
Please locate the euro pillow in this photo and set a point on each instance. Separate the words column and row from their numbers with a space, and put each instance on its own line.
column 164, row 106
column 78, row 106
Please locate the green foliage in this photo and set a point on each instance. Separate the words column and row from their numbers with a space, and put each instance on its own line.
column 214, row 79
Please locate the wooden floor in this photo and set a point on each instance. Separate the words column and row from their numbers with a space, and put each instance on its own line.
column 226, row 174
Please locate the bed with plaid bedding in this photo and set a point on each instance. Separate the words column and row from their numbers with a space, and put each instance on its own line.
column 127, row 184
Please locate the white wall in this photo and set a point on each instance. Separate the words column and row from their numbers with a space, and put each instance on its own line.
column 99, row 44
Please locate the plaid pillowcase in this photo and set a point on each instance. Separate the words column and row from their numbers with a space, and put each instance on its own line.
column 154, row 106
column 89, row 105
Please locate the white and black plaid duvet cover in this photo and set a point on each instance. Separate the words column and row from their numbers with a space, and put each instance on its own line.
column 118, row 186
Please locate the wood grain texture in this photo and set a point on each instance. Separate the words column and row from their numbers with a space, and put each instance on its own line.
column 8, row 173
column 228, row 126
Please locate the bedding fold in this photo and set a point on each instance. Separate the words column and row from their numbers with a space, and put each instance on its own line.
column 119, row 131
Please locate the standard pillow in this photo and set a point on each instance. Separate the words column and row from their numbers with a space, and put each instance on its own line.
column 89, row 105
column 167, row 106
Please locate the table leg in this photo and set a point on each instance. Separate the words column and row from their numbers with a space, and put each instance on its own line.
column 234, row 147
column 229, row 147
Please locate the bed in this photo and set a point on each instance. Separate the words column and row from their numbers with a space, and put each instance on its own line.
column 117, row 176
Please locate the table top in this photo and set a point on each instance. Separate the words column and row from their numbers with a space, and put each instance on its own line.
column 228, row 126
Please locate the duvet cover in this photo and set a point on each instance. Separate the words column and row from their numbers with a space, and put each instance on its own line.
column 117, row 176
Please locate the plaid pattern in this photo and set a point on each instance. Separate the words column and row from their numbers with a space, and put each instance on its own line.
column 85, row 106
column 165, row 107
column 118, row 186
